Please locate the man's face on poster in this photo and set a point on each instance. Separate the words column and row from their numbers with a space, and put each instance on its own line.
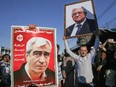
column 78, row 15
column 39, row 57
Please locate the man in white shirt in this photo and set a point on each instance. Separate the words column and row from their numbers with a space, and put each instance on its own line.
column 83, row 61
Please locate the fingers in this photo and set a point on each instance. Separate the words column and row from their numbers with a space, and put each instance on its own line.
column 110, row 40
column 64, row 38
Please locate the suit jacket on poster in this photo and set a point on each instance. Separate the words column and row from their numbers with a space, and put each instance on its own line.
column 21, row 77
column 88, row 27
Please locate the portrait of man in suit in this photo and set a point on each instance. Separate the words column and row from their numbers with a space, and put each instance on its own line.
column 35, row 70
column 82, row 24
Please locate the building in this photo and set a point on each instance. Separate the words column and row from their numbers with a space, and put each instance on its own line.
column 4, row 50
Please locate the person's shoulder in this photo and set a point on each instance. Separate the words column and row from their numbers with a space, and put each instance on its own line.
column 70, row 27
column 90, row 20
column 50, row 72
column 18, row 72
column 69, row 30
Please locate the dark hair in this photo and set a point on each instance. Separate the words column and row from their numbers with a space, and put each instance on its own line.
column 5, row 56
column 58, row 46
column 85, row 11
column 84, row 45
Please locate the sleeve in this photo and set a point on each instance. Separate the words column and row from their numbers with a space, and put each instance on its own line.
column 73, row 55
column 64, row 62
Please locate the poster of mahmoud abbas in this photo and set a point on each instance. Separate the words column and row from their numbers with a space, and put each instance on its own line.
column 80, row 19
column 33, row 56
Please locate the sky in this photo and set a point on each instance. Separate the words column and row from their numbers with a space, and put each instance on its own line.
column 43, row 13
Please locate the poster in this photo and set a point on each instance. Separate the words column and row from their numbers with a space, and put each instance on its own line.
column 33, row 56
column 79, row 19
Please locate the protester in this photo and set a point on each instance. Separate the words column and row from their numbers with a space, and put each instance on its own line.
column 68, row 71
column 60, row 77
column 5, row 71
column 83, row 61
column 111, row 71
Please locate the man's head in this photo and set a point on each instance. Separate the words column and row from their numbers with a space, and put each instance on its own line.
column 111, row 43
column 78, row 14
column 83, row 50
column 6, row 57
column 38, row 54
column 103, row 55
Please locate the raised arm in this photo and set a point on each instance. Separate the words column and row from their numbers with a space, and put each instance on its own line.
column 73, row 55
column 109, row 40
column 103, row 45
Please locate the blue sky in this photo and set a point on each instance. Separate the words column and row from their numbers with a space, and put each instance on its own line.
column 44, row 13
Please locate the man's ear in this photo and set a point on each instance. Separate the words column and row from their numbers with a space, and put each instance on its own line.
column 26, row 56
column 79, row 52
column 85, row 13
column 87, row 51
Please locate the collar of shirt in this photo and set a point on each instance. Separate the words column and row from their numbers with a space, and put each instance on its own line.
column 26, row 67
column 82, row 58
column 80, row 23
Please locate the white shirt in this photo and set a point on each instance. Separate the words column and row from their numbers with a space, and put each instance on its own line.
column 85, row 74
column 75, row 29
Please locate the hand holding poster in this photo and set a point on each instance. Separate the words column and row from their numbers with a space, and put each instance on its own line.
column 33, row 53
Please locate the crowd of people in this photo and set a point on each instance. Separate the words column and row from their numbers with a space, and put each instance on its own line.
column 93, row 67
column 90, row 68
column 5, row 74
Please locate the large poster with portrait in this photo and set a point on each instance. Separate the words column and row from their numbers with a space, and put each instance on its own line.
column 79, row 19
column 33, row 56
